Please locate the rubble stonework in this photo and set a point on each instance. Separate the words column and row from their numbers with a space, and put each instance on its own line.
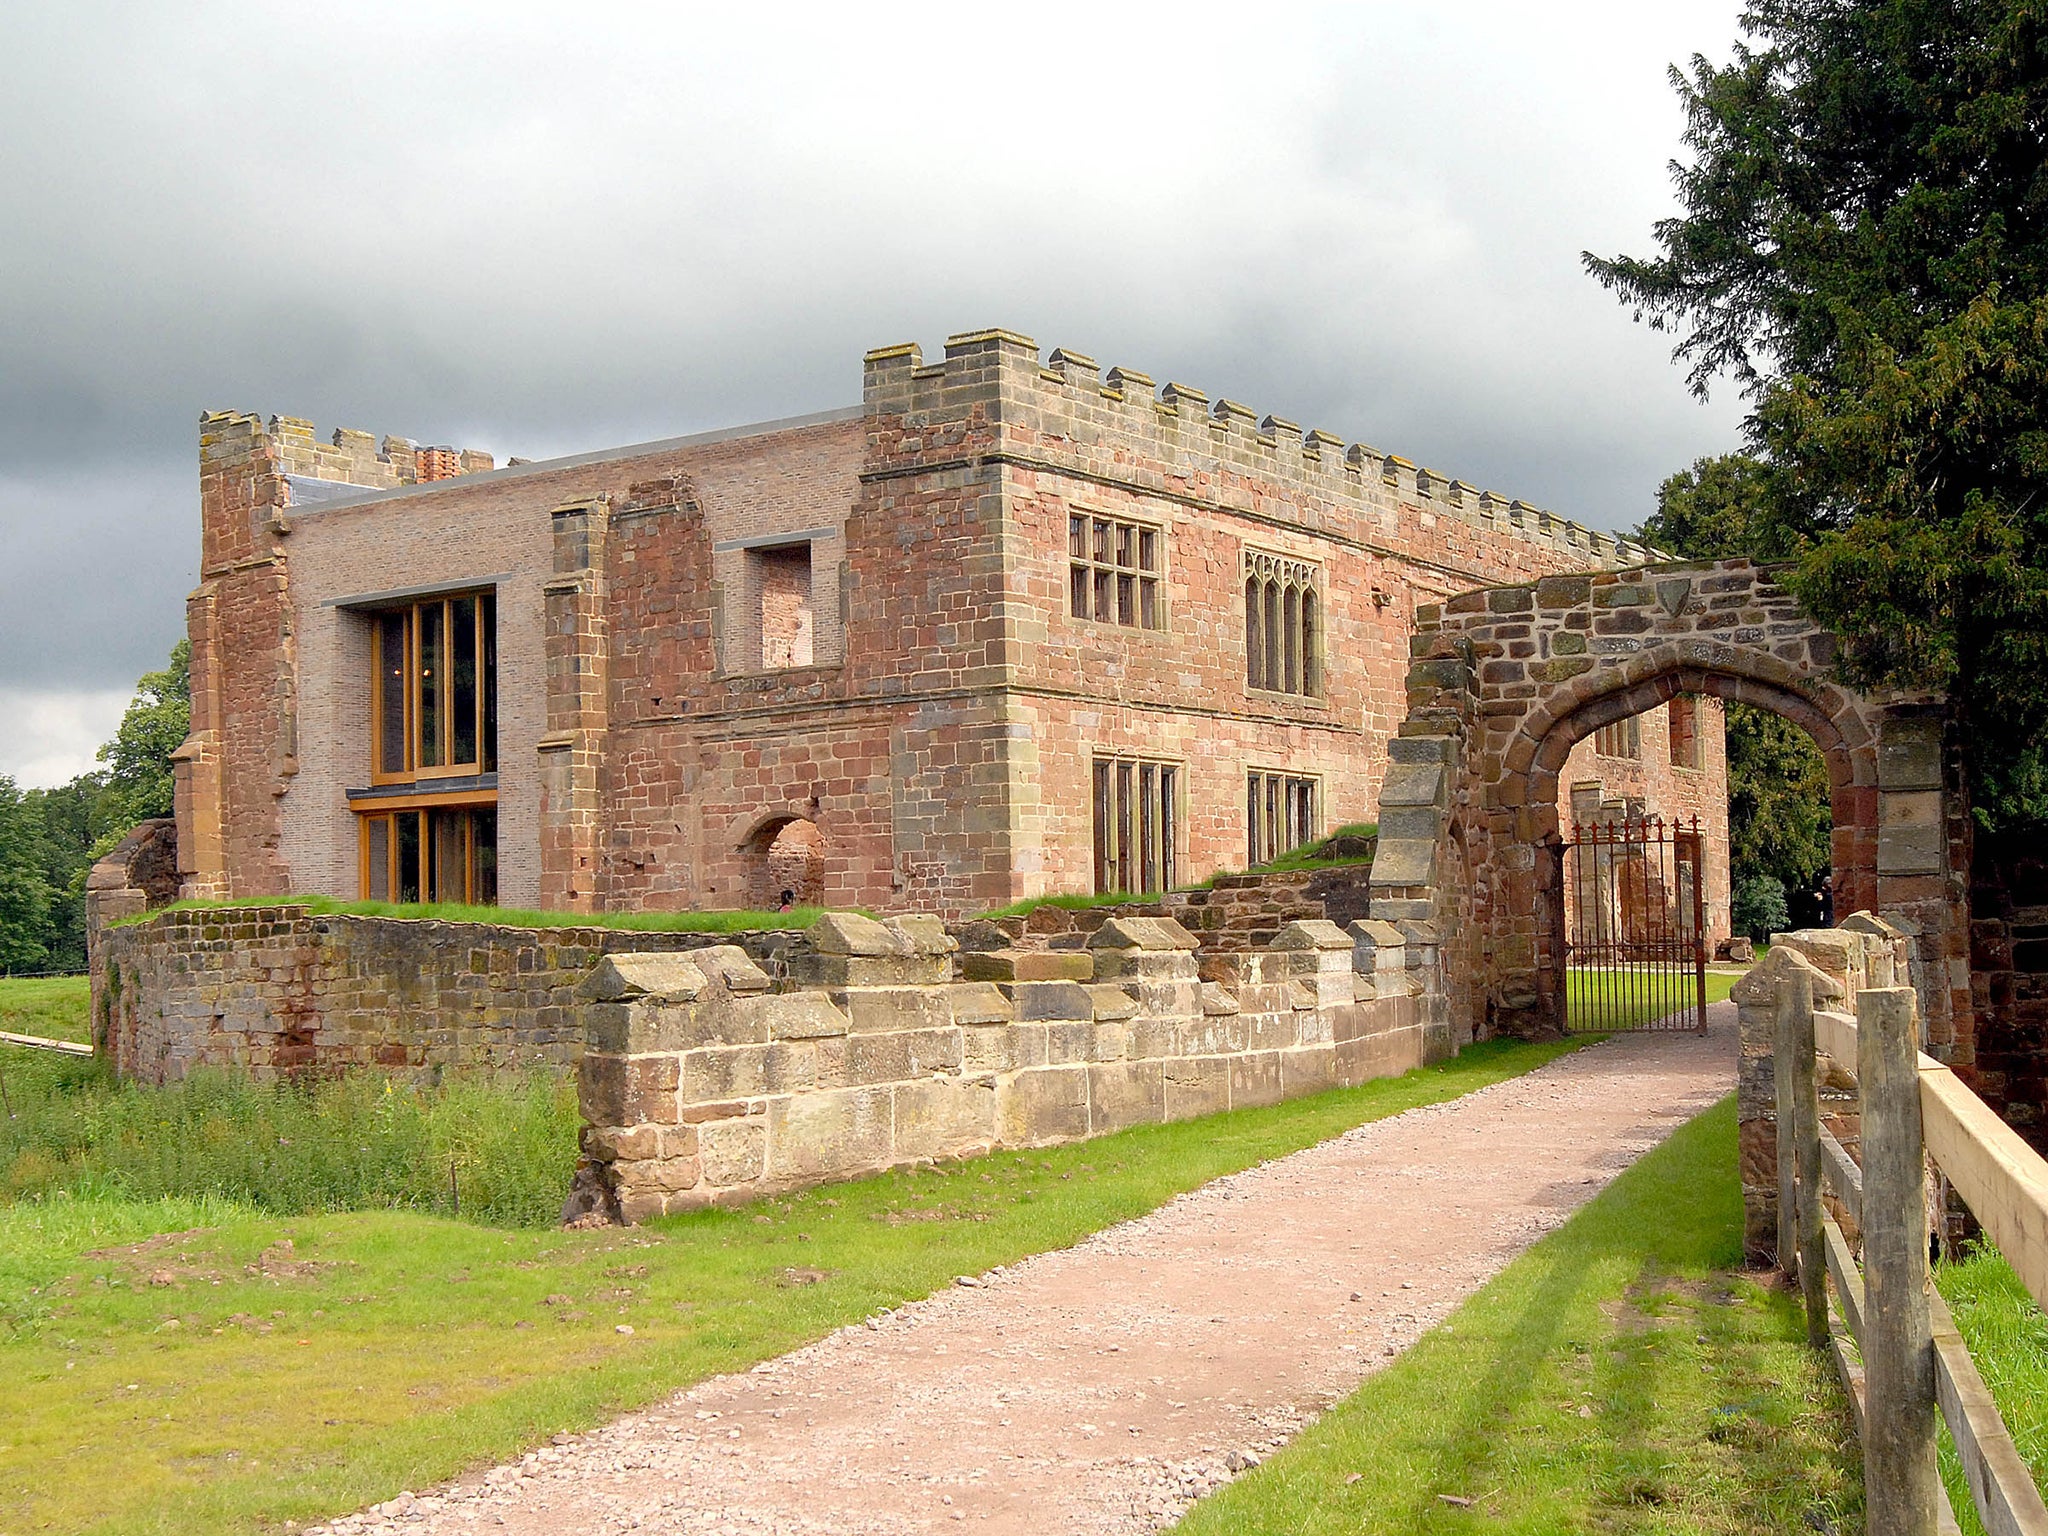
column 1505, row 684
column 705, row 1081
column 277, row 990
column 1864, row 951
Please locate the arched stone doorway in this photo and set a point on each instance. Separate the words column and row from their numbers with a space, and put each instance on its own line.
column 1506, row 680
column 785, row 853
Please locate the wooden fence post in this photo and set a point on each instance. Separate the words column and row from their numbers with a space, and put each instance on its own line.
column 1782, row 1052
column 1812, row 1248
column 1900, row 1483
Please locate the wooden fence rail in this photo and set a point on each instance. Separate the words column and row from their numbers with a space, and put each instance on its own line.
column 1908, row 1361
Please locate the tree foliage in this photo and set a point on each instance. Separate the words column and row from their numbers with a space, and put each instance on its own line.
column 49, row 838
column 1863, row 247
column 1779, row 815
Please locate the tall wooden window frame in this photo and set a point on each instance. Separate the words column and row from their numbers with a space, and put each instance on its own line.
column 428, row 848
column 1282, row 811
column 1116, row 569
column 416, row 688
column 1137, row 819
column 1283, row 624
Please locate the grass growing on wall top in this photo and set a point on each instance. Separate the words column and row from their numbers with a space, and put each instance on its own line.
column 210, row 1379
column 1309, row 856
column 738, row 921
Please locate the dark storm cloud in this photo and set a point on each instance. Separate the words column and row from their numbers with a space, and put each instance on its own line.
column 511, row 228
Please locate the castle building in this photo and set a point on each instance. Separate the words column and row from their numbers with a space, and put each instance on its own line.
column 1011, row 626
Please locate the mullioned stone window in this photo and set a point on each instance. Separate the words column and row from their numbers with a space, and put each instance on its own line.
column 1283, row 624
column 1137, row 824
column 1624, row 738
column 1113, row 572
column 1280, row 812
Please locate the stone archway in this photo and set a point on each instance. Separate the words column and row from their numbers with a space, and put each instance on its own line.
column 1506, row 680
column 785, row 853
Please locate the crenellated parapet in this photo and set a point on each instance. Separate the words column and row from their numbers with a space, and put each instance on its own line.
column 704, row 1081
column 1119, row 411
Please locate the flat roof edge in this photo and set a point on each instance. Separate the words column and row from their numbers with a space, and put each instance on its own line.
column 580, row 460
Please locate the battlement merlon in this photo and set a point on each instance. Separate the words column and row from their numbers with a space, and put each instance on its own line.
column 1069, row 395
column 288, row 449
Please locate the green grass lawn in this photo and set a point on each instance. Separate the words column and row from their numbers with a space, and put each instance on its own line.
column 1598, row 1004
column 1624, row 1375
column 192, row 1363
column 2008, row 1338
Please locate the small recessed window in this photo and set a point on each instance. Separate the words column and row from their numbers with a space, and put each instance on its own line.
column 784, row 615
column 1684, row 716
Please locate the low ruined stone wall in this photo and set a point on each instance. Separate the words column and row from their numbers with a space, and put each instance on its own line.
column 704, row 1082
column 1232, row 914
column 280, row 990
column 1865, row 951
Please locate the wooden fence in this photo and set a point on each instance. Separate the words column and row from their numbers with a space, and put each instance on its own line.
column 1908, row 1361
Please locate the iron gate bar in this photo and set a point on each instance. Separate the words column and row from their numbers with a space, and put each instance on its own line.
column 1635, row 902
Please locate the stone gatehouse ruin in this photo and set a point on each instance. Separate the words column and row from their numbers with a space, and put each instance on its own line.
column 1010, row 626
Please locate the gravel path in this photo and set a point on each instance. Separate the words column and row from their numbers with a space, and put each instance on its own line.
column 1101, row 1389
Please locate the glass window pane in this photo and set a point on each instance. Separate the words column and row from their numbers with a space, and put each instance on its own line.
column 377, row 858
column 1169, row 812
column 1148, row 827
column 1077, row 537
column 1125, row 533
column 1103, row 877
column 407, row 826
column 1254, row 636
column 487, row 620
column 484, row 880
column 1148, row 602
column 1290, row 629
column 391, row 691
column 1148, row 549
column 1126, row 599
column 1105, row 601
column 1125, row 874
column 462, row 681
column 1077, row 594
column 1101, row 542
column 432, row 684
column 448, row 859
column 1311, row 672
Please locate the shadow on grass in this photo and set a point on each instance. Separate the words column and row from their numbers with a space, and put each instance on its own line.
column 1622, row 1375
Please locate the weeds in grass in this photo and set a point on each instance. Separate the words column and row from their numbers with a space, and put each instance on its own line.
column 499, row 1151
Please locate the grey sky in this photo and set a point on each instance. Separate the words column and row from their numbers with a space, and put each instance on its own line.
column 539, row 229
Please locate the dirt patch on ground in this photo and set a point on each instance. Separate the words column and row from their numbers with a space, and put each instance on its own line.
column 1100, row 1390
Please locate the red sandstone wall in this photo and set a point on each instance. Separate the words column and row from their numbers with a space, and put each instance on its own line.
column 942, row 739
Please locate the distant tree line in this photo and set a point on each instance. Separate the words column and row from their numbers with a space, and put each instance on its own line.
column 49, row 838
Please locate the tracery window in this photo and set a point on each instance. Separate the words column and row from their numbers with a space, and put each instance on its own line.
column 1283, row 624
column 1113, row 570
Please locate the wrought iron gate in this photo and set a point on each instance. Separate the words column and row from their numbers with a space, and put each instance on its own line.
column 1635, row 929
